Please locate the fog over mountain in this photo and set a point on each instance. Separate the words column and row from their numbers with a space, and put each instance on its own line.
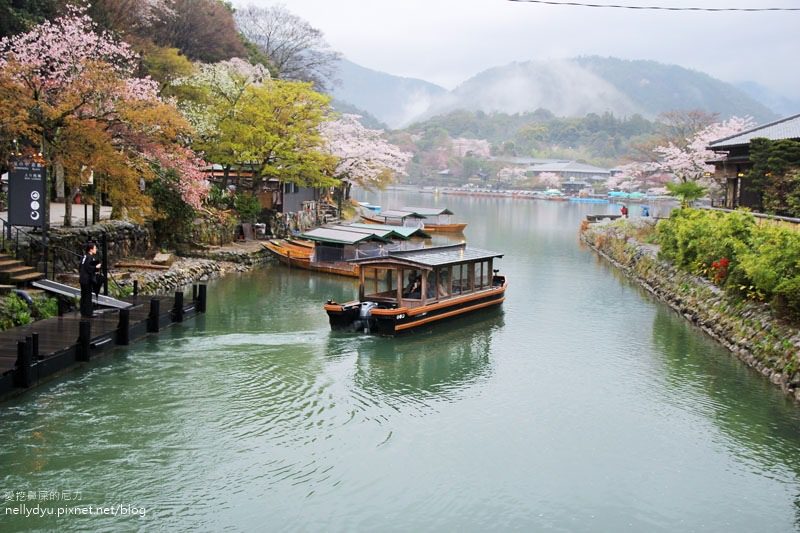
column 572, row 87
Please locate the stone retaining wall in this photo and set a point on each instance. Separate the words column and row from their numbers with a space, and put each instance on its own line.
column 748, row 329
column 125, row 239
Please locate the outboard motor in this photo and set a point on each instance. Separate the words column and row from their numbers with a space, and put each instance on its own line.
column 364, row 313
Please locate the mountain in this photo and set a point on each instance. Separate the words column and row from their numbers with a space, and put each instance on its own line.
column 777, row 102
column 567, row 88
column 394, row 100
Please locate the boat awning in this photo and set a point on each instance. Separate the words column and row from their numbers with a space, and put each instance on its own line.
column 395, row 213
column 428, row 211
column 429, row 258
column 337, row 236
column 384, row 232
column 406, row 232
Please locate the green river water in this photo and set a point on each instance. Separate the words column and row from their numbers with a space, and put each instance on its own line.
column 582, row 405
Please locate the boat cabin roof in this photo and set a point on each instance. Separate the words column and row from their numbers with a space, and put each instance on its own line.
column 428, row 211
column 387, row 232
column 429, row 258
column 339, row 236
column 397, row 213
column 406, row 231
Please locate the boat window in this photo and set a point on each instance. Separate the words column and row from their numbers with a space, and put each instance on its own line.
column 444, row 289
column 412, row 286
column 380, row 282
column 482, row 275
column 460, row 279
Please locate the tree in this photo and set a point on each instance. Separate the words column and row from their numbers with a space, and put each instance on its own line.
column 296, row 50
column 686, row 191
column 774, row 175
column 203, row 30
column 363, row 155
column 690, row 163
column 549, row 180
column 74, row 99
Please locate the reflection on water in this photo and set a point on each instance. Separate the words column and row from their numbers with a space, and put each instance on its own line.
column 580, row 405
column 437, row 362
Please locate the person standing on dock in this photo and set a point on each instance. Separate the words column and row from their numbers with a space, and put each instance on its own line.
column 88, row 273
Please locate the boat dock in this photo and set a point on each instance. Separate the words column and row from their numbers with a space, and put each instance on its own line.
column 32, row 353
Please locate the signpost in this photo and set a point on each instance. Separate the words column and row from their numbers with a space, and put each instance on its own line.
column 27, row 194
column 27, row 197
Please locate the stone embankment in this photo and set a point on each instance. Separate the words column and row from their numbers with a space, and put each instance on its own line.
column 202, row 266
column 748, row 329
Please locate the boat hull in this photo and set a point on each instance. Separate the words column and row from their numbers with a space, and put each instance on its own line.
column 437, row 228
column 402, row 320
column 297, row 257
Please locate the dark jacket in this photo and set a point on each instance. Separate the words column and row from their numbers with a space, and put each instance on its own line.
column 88, row 270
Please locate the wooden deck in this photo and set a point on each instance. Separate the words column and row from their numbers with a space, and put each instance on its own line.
column 29, row 354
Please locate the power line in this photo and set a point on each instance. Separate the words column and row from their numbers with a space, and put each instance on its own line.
column 657, row 8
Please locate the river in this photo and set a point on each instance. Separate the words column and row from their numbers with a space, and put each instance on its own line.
column 582, row 405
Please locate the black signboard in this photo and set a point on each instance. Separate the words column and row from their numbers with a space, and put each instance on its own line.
column 27, row 193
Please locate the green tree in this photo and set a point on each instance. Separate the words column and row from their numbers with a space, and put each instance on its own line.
column 686, row 191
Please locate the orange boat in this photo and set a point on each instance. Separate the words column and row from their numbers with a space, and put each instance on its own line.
column 408, row 289
column 291, row 256
column 431, row 219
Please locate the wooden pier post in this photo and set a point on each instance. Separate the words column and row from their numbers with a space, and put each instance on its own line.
column 24, row 373
column 84, row 341
column 194, row 292
column 34, row 346
column 124, row 327
column 152, row 320
column 177, row 309
column 201, row 305
column 136, row 287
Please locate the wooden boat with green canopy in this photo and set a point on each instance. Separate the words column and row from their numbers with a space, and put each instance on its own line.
column 408, row 289
column 330, row 249
column 437, row 219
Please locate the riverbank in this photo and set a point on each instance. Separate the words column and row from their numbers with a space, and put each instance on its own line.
column 749, row 329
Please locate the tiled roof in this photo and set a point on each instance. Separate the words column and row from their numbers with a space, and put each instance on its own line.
column 785, row 128
column 570, row 166
column 405, row 231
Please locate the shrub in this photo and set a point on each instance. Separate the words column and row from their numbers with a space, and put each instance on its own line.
column 14, row 311
column 248, row 207
column 44, row 307
column 786, row 301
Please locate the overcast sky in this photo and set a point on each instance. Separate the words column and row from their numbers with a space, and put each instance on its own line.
column 448, row 41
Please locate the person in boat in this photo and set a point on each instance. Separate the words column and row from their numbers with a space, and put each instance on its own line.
column 414, row 287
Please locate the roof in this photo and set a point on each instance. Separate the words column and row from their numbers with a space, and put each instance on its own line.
column 396, row 213
column 384, row 232
column 406, row 231
column 436, row 256
column 569, row 166
column 338, row 236
column 428, row 211
column 785, row 128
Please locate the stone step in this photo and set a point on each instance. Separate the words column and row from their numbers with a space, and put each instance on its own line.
column 5, row 289
column 26, row 278
column 16, row 269
column 9, row 262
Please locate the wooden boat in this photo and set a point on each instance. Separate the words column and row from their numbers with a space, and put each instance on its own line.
column 292, row 258
column 437, row 219
column 330, row 249
column 408, row 289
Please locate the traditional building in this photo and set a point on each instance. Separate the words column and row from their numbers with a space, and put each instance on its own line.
column 731, row 169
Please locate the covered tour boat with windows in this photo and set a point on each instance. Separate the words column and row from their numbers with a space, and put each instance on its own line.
column 407, row 289
column 432, row 219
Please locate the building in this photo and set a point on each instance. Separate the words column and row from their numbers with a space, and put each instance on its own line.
column 733, row 168
column 570, row 170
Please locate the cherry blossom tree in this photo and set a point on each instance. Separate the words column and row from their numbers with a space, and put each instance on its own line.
column 363, row 155
column 549, row 180
column 76, row 99
column 691, row 163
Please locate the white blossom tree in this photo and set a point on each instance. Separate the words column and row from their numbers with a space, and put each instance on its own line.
column 364, row 156
column 549, row 180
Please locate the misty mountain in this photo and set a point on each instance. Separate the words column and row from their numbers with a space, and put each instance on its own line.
column 567, row 88
column 393, row 100
column 778, row 103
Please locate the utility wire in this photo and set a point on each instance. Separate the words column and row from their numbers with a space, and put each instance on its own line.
column 657, row 8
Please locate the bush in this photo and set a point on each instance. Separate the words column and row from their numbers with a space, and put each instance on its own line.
column 786, row 301
column 14, row 311
column 44, row 307
column 248, row 207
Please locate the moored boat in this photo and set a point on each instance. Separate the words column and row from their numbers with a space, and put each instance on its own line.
column 408, row 289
